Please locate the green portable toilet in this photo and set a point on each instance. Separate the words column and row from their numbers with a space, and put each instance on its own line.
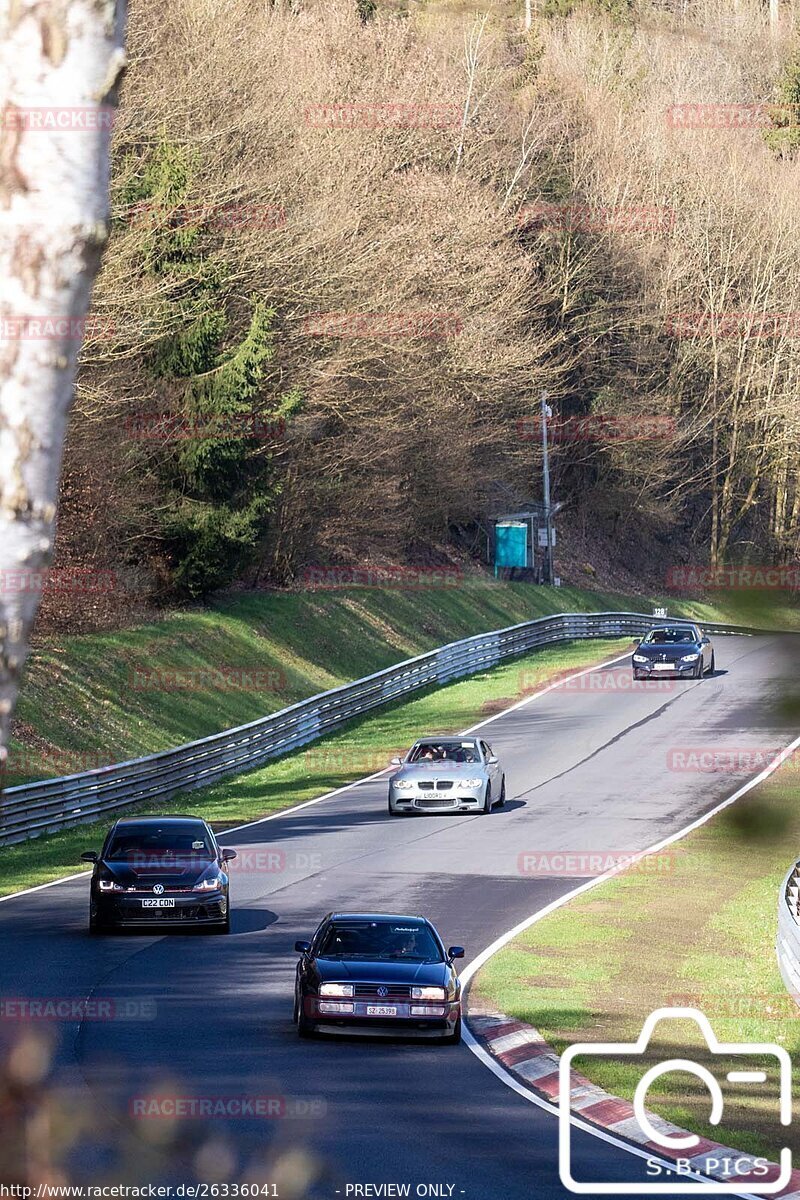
column 510, row 544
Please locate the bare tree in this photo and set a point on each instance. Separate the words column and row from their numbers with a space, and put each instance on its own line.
column 60, row 64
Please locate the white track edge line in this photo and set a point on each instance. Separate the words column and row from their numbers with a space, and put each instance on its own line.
column 473, row 967
column 504, row 1075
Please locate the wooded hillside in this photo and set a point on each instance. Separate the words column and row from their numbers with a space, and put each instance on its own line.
column 351, row 249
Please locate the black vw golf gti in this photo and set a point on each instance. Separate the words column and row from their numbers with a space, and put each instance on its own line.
column 378, row 974
column 159, row 870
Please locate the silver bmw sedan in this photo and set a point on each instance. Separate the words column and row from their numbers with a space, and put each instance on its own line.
column 447, row 774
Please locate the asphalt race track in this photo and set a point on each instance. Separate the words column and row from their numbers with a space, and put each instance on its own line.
column 587, row 770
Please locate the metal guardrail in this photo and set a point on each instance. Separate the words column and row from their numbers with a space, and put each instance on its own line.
column 787, row 943
column 31, row 809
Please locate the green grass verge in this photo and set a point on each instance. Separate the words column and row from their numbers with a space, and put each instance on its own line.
column 362, row 747
column 100, row 698
column 693, row 926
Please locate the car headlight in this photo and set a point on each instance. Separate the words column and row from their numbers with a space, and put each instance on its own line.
column 640, row 658
column 428, row 993
column 469, row 783
column 402, row 783
column 690, row 658
column 110, row 885
column 336, row 989
column 211, row 884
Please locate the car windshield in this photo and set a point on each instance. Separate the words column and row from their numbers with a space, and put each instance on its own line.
column 151, row 845
column 380, row 941
column 669, row 637
column 449, row 752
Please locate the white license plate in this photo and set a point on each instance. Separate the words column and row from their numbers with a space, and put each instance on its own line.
column 160, row 903
column 381, row 1010
column 664, row 666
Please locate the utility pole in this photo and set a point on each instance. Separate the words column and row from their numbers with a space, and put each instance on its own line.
column 547, row 412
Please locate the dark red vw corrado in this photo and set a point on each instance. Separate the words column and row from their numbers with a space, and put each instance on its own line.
column 378, row 974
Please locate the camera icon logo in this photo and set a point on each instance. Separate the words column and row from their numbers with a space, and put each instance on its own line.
column 675, row 1141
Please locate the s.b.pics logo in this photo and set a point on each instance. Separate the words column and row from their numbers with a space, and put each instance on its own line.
column 723, row 1070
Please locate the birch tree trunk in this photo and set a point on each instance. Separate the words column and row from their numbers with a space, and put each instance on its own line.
column 774, row 15
column 60, row 64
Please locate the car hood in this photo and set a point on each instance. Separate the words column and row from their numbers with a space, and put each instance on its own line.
column 360, row 971
column 183, row 873
column 440, row 771
column 669, row 652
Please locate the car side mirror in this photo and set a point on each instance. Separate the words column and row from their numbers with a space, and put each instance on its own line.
column 228, row 854
column 89, row 856
column 705, row 641
column 302, row 947
column 493, row 760
column 396, row 762
column 455, row 952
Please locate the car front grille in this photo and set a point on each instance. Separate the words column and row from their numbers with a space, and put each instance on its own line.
column 441, row 785
column 147, row 890
column 395, row 991
column 194, row 912
column 436, row 802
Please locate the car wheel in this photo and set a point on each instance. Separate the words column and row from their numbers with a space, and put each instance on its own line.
column 712, row 666
column 638, row 675
column 226, row 926
column 454, row 1038
column 698, row 671
column 487, row 803
column 502, row 799
column 305, row 1029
